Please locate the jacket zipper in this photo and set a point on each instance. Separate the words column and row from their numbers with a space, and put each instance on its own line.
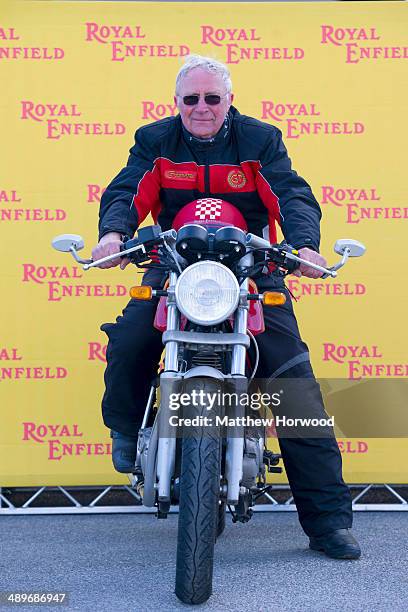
column 207, row 177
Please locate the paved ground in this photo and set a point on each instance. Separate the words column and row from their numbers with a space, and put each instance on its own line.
column 125, row 563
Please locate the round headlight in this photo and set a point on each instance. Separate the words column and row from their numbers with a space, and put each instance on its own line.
column 207, row 293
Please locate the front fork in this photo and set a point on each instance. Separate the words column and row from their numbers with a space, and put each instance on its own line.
column 166, row 451
column 235, row 444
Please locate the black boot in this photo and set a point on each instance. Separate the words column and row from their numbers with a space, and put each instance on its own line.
column 123, row 452
column 338, row 544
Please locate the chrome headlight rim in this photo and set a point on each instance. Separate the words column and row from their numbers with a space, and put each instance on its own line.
column 216, row 320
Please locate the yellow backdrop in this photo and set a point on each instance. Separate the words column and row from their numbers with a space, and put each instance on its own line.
column 77, row 80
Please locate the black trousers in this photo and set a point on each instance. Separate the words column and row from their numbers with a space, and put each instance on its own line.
column 313, row 465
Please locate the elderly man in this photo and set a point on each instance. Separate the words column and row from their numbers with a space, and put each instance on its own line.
column 220, row 153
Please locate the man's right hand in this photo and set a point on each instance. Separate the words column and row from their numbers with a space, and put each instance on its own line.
column 109, row 244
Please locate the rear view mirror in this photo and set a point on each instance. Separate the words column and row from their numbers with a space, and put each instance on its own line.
column 64, row 242
column 356, row 249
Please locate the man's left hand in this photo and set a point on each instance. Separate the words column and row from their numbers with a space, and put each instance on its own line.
column 313, row 257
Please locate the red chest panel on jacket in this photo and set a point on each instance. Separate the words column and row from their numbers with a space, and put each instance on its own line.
column 223, row 178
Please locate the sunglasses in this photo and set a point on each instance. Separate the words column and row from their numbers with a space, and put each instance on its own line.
column 210, row 99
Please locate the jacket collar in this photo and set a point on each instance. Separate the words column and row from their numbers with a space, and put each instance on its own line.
column 220, row 139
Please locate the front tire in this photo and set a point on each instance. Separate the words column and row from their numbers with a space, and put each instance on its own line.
column 198, row 513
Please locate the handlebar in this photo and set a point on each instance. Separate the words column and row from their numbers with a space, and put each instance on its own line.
column 94, row 264
column 148, row 237
column 256, row 242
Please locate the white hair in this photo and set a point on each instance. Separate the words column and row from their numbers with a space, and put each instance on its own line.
column 206, row 63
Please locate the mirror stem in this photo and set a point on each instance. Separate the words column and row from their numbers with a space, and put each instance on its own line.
column 75, row 255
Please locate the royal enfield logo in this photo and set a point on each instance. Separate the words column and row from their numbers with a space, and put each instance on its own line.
column 235, row 40
column 236, row 179
column 55, row 127
column 154, row 111
column 352, row 446
column 339, row 196
column 97, row 351
column 297, row 120
column 362, row 361
column 179, row 175
column 26, row 372
column 119, row 38
column 361, row 204
column 94, row 193
column 358, row 44
column 57, row 439
column 17, row 213
column 32, row 53
column 59, row 285
column 301, row 288
column 9, row 196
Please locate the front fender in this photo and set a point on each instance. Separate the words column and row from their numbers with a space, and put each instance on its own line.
column 204, row 372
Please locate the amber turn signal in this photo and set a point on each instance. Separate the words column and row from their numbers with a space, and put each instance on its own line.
column 273, row 298
column 144, row 292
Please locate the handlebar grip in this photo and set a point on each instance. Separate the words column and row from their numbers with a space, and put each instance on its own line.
column 128, row 244
column 291, row 265
column 257, row 242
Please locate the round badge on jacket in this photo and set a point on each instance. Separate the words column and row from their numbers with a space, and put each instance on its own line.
column 237, row 179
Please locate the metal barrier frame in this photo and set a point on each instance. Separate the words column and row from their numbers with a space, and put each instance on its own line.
column 8, row 508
